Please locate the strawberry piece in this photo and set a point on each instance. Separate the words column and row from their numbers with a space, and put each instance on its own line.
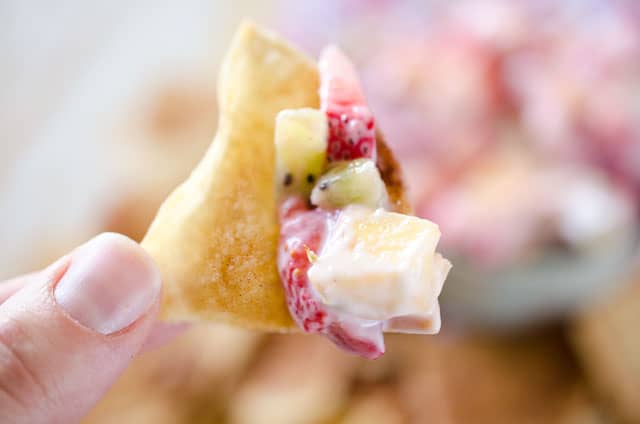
column 351, row 124
column 367, row 342
column 302, row 233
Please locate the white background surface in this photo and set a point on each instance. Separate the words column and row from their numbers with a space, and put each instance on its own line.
column 72, row 73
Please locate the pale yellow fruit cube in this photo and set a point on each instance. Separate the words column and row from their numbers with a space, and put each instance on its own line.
column 379, row 265
column 301, row 146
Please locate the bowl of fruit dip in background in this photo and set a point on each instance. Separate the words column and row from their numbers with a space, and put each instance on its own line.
column 530, row 170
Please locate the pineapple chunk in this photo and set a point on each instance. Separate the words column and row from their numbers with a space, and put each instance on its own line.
column 380, row 265
column 301, row 149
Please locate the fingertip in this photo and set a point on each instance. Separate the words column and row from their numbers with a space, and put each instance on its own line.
column 111, row 282
column 73, row 330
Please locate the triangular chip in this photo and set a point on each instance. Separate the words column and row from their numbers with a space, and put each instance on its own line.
column 215, row 237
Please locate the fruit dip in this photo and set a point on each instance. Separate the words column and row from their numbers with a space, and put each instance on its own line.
column 351, row 267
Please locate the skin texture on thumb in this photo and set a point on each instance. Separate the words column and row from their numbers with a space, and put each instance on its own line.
column 72, row 329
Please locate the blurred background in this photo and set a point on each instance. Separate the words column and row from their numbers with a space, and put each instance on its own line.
column 518, row 125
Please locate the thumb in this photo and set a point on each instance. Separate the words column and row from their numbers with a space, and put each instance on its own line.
column 71, row 331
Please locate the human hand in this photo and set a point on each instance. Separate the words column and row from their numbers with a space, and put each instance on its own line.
column 69, row 331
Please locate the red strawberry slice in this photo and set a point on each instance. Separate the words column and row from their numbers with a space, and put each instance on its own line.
column 351, row 124
column 355, row 337
column 302, row 233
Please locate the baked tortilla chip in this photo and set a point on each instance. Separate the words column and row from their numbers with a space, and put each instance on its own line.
column 215, row 237
column 391, row 174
